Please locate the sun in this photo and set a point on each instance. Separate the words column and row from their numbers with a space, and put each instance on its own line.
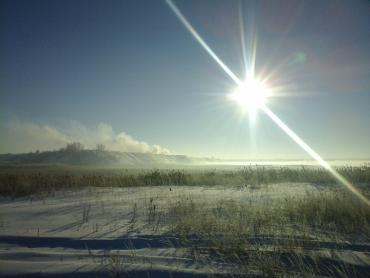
column 251, row 94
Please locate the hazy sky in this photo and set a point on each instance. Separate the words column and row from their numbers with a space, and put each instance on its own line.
column 128, row 74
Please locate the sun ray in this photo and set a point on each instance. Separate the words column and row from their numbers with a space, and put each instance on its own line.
column 195, row 34
column 249, row 59
column 267, row 110
column 242, row 37
column 312, row 153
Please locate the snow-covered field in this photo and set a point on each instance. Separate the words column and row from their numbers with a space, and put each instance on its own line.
column 99, row 232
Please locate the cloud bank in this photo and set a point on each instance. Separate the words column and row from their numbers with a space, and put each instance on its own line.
column 19, row 137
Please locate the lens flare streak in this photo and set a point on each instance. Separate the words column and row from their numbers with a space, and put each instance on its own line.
column 195, row 34
column 266, row 110
column 312, row 153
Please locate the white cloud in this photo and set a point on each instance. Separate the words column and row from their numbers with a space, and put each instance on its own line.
column 21, row 137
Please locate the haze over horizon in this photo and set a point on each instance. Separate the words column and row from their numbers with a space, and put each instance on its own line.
column 128, row 75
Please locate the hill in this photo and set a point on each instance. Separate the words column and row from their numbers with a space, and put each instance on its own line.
column 97, row 158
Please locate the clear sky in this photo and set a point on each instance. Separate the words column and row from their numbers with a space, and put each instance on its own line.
column 129, row 75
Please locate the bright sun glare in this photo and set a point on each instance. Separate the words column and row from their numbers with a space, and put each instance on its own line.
column 251, row 94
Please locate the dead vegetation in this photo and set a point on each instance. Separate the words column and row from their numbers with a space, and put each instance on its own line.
column 22, row 181
column 274, row 240
column 302, row 235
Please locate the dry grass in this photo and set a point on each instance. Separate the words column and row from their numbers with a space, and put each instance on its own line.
column 335, row 211
column 272, row 237
column 21, row 181
column 272, row 240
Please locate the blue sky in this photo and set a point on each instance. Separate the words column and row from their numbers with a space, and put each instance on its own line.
column 128, row 74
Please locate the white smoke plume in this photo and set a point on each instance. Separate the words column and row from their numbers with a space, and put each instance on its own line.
column 19, row 137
